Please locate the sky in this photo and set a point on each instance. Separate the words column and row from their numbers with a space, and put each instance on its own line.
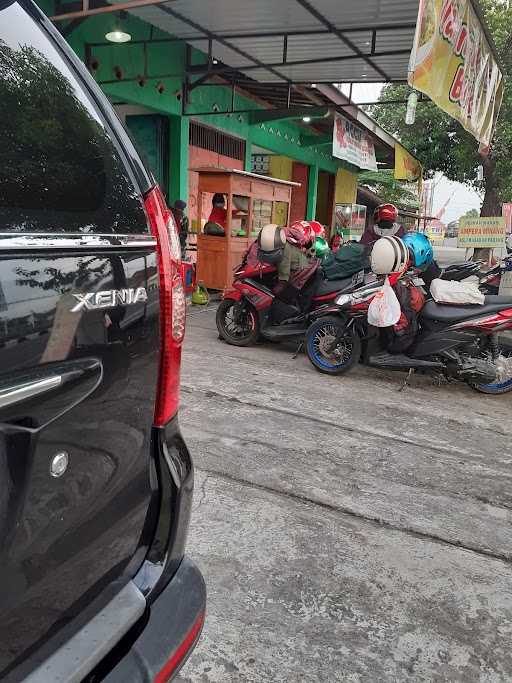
column 461, row 197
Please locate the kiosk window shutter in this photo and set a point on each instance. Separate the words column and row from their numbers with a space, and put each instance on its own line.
column 217, row 141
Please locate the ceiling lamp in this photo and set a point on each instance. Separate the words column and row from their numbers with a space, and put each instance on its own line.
column 118, row 35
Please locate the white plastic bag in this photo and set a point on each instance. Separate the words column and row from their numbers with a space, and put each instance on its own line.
column 384, row 309
column 452, row 292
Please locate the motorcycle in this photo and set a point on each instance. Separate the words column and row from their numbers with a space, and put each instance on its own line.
column 490, row 280
column 456, row 272
column 456, row 342
column 251, row 310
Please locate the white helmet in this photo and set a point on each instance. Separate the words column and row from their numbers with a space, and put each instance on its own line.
column 389, row 255
column 271, row 237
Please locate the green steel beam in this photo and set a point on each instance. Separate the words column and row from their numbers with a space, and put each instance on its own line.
column 312, row 192
column 288, row 113
column 315, row 140
column 178, row 158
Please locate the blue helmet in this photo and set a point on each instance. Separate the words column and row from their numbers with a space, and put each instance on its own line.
column 420, row 248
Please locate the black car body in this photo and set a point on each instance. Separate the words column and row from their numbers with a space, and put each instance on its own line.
column 96, row 481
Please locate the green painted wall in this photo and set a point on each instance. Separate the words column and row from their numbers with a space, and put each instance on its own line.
column 119, row 69
column 281, row 137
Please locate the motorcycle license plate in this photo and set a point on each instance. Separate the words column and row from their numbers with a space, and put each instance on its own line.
column 418, row 281
column 358, row 278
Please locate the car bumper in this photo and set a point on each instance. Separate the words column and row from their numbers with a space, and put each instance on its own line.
column 173, row 628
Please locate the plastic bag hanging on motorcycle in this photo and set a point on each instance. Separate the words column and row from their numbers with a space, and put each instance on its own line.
column 384, row 309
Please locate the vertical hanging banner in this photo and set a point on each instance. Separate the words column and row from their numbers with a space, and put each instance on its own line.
column 506, row 212
column 407, row 167
column 352, row 144
column 454, row 65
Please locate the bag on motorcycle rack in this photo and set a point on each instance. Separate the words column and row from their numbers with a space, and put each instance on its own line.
column 401, row 336
column 349, row 259
column 384, row 309
column 453, row 292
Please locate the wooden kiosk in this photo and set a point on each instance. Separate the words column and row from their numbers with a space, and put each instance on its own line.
column 252, row 201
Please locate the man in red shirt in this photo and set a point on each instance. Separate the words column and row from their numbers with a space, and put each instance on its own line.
column 218, row 214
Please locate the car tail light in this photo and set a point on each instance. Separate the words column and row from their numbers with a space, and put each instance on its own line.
column 174, row 662
column 172, row 305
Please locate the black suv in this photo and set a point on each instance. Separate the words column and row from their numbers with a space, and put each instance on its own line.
column 95, row 479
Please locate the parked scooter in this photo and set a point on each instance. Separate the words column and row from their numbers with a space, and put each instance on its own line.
column 490, row 280
column 457, row 342
column 250, row 308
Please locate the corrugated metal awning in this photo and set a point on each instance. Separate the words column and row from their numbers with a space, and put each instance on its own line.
column 295, row 41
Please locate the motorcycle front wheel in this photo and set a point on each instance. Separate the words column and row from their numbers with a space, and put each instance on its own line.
column 237, row 322
column 332, row 347
column 503, row 383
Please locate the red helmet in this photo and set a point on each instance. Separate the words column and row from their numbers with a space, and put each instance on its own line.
column 385, row 212
column 318, row 228
column 300, row 234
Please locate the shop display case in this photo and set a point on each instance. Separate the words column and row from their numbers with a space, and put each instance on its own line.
column 251, row 201
column 350, row 221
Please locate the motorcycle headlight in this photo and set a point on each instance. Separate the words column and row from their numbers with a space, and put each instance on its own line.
column 344, row 299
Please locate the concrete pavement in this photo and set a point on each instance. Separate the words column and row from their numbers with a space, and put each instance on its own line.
column 347, row 531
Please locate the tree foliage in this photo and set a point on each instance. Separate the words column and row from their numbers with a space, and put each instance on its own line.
column 472, row 213
column 443, row 145
column 384, row 184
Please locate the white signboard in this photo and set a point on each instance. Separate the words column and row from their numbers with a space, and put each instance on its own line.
column 353, row 144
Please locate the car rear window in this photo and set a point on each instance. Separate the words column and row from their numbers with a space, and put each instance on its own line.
column 60, row 169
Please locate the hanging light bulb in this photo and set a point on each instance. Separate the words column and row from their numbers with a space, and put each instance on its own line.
column 410, row 114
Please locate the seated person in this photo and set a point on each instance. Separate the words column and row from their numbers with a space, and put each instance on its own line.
column 217, row 221
column 298, row 252
column 216, row 224
column 385, row 224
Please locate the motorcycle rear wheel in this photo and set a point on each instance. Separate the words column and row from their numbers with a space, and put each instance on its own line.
column 237, row 327
column 344, row 356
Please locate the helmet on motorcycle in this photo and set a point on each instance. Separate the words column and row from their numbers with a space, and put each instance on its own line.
column 385, row 212
column 317, row 228
column 420, row 249
column 300, row 234
column 389, row 255
column 271, row 237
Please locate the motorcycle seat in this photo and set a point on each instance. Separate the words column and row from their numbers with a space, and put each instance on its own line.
column 450, row 313
column 330, row 286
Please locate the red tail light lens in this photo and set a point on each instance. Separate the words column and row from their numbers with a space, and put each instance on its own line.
column 164, row 675
column 172, row 305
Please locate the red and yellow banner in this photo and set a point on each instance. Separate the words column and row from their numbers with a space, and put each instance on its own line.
column 453, row 64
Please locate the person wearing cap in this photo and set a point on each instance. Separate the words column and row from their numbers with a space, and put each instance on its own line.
column 385, row 224
column 178, row 211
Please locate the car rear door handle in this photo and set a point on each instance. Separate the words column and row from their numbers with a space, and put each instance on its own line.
column 36, row 398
